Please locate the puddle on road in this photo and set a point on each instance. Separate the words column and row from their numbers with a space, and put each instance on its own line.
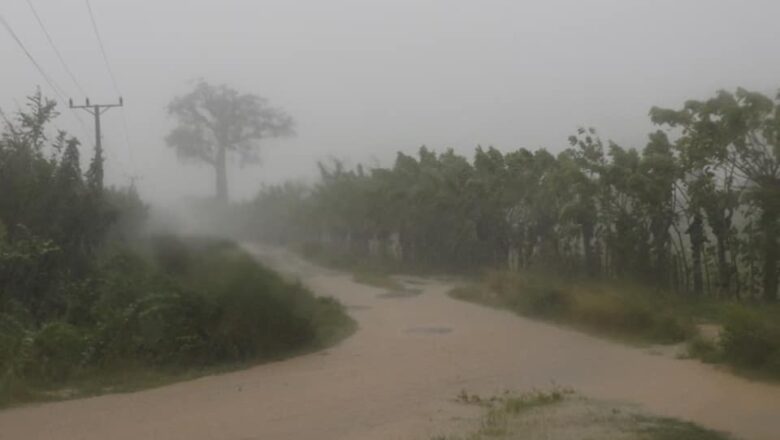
column 406, row 293
column 429, row 330
column 358, row 307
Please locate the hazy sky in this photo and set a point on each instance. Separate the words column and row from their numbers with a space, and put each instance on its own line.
column 367, row 78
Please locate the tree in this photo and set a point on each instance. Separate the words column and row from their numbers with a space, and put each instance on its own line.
column 737, row 134
column 214, row 120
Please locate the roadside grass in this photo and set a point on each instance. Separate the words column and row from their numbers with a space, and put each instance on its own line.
column 665, row 428
column 134, row 377
column 624, row 312
column 748, row 342
column 561, row 413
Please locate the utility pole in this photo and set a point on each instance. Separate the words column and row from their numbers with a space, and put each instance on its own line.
column 96, row 110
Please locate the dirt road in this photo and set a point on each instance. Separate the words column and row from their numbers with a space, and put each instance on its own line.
column 396, row 378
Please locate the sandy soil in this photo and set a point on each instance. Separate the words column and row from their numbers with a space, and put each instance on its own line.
column 397, row 376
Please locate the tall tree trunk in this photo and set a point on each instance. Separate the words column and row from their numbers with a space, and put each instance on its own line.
column 591, row 264
column 659, row 228
column 769, row 220
column 683, row 261
column 724, row 269
column 696, row 233
column 220, row 166
column 737, row 278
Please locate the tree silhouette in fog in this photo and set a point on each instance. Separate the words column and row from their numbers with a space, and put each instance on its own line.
column 214, row 120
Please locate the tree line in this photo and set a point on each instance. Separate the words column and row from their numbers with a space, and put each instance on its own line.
column 695, row 211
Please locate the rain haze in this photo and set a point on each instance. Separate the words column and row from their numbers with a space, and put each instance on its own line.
column 390, row 220
column 364, row 79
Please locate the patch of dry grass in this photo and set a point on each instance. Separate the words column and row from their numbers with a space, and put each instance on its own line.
column 561, row 414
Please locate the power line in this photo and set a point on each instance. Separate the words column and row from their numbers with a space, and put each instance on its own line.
column 52, row 84
column 103, row 52
column 57, row 90
column 54, row 47
column 102, row 47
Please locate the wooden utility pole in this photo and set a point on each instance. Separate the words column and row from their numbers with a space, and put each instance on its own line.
column 96, row 110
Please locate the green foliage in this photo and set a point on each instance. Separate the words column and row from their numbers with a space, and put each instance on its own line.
column 54, row 220
column 57, row 351
column 707, row 351
column 178, row 306
column 750, row 339
column 620, row 311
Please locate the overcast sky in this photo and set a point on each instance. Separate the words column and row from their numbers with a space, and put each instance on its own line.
column 365, row 78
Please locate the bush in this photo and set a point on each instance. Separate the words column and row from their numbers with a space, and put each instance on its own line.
column 705, row 350
column 749, row 340
column 58, row 351
column 631, row 315
column 605, row 309
column 13, row 333
column 528, row 295
column 180, row 305
column 544, row 301
column 613, row 312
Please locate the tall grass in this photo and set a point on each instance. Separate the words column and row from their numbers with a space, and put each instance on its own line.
column 620, row 311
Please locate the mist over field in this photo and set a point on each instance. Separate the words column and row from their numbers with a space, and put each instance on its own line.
column 365, row 79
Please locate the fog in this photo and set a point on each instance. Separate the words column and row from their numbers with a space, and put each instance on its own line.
column 364, row 79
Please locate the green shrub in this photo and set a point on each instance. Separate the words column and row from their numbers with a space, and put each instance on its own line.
column 179, row 306
column 749, row 340
column 331, row 321
column 12, row 330
column 543, row 301
column 705, row 350
column 669, row 327
column 169, row 327
column 58, row 351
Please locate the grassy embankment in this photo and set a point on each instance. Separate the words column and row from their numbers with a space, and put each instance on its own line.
column 749, row 339
column 563, row 414
column 169, row 311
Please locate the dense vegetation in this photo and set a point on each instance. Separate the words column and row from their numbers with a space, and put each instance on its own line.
column 694, row 214
column 697, row 215
column 88, row 302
